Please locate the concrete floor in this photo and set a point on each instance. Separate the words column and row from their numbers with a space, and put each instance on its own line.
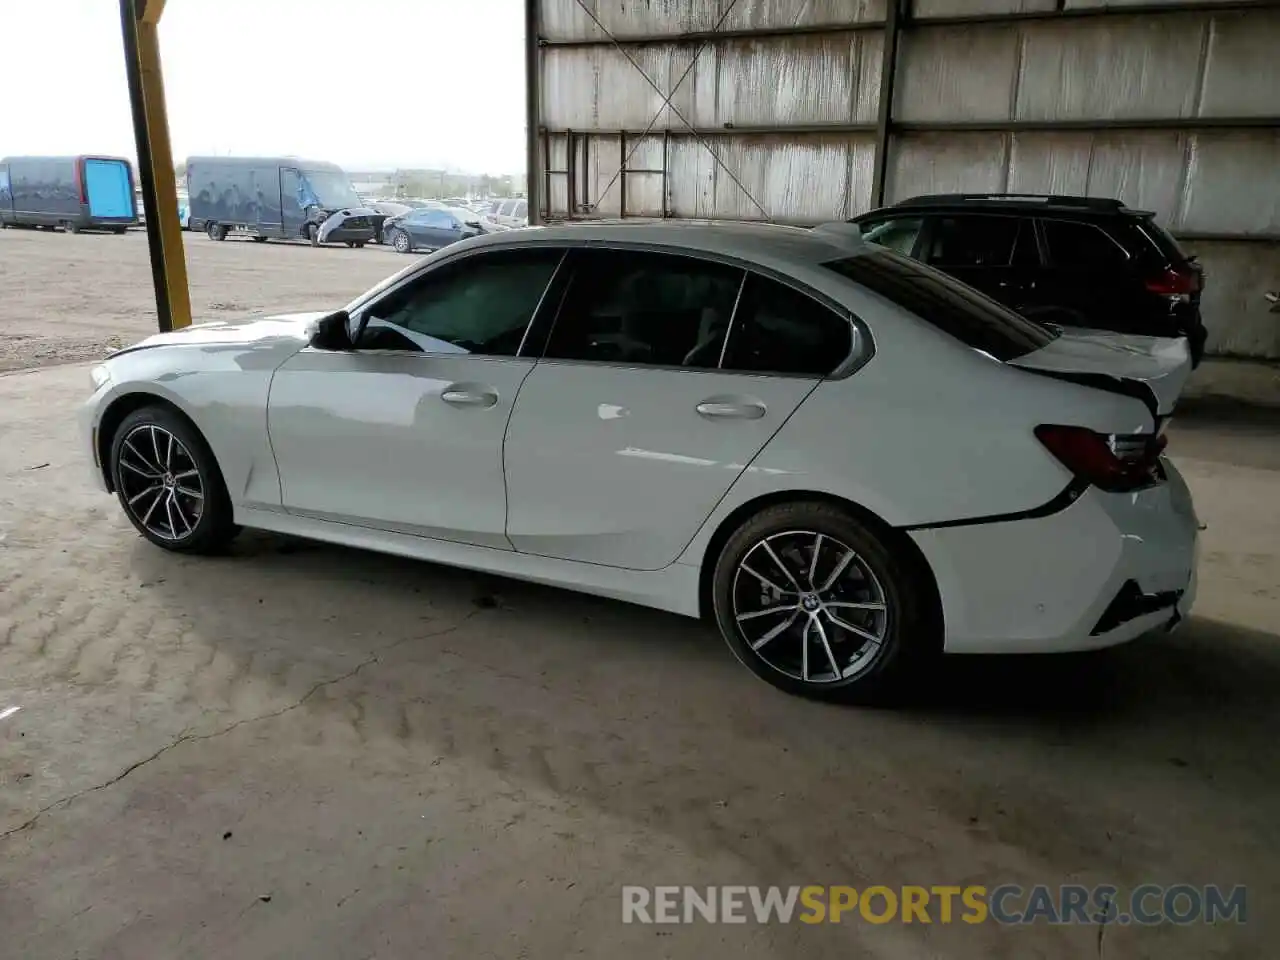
column 302, row 751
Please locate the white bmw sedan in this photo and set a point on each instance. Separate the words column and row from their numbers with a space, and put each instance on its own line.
column 846, row 459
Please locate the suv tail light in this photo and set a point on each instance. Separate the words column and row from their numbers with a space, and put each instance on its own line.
column 1116, row 463
column 1178, row 281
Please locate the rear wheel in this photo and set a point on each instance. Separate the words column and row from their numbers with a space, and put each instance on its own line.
column 216, row 231
column 359, row 244
column 259, row 239
column 71, row 227
column 817, row 603
column 169, row 483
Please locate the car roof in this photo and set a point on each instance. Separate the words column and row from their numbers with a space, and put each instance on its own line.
column 742, row 240
column 1040, row 204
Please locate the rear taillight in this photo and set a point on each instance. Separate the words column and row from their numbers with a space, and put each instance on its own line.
column 1178, row 281
column 1115, row 463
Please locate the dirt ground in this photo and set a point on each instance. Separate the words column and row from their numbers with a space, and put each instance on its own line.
column 72, row 297
column 303, row 751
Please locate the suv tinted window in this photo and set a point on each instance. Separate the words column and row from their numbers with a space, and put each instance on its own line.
column 898, row 234
column 972, row 241
column 778, row 329
column 480, row 305
column 951, row 306
column 645, row 308
column 1079, row 246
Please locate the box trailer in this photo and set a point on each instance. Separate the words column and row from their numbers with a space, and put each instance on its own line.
column 284, row 198
column 74, row 193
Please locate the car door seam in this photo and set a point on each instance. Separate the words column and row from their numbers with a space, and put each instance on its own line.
column 502, row 457
column 742, row 473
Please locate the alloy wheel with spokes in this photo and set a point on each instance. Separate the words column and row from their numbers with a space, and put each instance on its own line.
column 160, row 483
column 820, row 602
column 169, row 483
column 809, row 606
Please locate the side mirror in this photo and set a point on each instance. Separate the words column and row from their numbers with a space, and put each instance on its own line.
column 334, row 332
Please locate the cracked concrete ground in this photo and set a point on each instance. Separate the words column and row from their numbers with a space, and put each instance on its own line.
column 303, row 751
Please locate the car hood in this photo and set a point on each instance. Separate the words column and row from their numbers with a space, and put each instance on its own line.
column 298, row 327
column 1162, row 365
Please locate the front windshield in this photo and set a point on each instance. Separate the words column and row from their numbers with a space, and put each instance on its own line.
column 331, row 188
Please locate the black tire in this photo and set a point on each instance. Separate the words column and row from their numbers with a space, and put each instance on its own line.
column 359, row 244
column 71, row 227
column 872, row 673
column 259, row 239
column 400, row 242
column 120, row 231
column 216, row 231
column 207, row 531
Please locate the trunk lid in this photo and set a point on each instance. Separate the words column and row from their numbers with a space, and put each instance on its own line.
column 1156, row 368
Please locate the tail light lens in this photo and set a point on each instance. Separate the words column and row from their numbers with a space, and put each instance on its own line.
column 1115, row 463
column 1179, row 282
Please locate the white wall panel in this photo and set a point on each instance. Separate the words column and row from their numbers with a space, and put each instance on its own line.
column 923, row 9
column 1235, row 312
column 1233, row 184
column 1102, row 70
column 567, row 20
column 958, row 73
column 1242, row 70
column 947, row 163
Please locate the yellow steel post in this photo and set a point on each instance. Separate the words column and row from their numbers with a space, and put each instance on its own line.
column 140, row 20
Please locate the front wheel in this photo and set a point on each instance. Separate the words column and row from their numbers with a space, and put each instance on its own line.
column 400, row 241
column 169, row 483
column 216, row 231
column 817, row 603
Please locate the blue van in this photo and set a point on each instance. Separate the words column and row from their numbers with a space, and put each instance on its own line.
column 75, row 193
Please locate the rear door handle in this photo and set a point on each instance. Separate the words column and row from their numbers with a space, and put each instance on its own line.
column 460, row 396
column 731, row 409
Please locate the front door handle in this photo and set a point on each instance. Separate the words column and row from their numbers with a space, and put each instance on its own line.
column 731, row 409
column 459, row 396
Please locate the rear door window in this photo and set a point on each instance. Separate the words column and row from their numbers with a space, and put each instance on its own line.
column 953, row 307
column 778, row 329
column 645, row 309
column 1081, row 246
column 971, row 241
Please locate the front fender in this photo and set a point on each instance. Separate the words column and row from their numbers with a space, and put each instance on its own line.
column 222, row 390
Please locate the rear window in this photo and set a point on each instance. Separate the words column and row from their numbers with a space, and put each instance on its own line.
column 1152, row 243
column 953, row 307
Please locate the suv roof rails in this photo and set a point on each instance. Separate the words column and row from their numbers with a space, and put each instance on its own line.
column 1101, row 204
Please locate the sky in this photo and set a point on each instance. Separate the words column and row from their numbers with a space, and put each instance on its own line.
column 367, row 84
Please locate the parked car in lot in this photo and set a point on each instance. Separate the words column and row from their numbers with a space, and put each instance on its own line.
column 510, row 213
column 1073, row 261
column 74, row 193
column 431, row 228
column 845, row 458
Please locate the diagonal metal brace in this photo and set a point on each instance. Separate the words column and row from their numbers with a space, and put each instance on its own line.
column 666, row 103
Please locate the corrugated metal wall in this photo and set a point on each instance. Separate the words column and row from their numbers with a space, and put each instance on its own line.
column 771, row 109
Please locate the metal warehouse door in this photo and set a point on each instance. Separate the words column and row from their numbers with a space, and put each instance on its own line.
column 107, row 184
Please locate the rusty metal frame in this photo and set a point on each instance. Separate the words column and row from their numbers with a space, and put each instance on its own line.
column 139, row 23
